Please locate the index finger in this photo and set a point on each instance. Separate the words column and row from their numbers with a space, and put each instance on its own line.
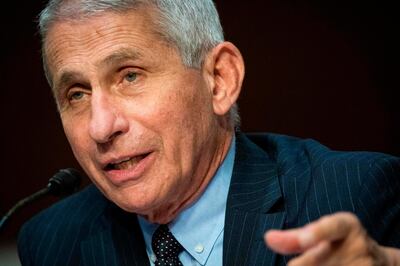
column 331, row 228
column 328, row 228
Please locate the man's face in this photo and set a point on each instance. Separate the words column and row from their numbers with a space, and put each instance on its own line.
column 139, row 122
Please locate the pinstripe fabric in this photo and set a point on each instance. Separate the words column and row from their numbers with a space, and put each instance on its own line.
column 254, row 190
column 277, row 182
column 285, row 182
column 84, row 229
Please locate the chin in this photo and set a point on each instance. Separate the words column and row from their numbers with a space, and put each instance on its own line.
column 133, row 203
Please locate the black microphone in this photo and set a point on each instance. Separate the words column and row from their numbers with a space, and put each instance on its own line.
column 64, row 182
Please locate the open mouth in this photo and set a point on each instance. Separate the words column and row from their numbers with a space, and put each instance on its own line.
column 127, row 163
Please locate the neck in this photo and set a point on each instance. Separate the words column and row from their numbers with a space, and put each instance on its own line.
column 170, row 211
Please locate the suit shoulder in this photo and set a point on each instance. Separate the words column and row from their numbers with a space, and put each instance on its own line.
column 283, row 148
column 316, row 181
column 280, row 146
column 57, row 230
column 69, row 212
column 76, row 203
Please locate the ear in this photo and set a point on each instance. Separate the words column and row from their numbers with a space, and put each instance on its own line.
column 224, row 68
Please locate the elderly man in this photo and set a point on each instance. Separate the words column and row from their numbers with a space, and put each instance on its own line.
column 146, row 91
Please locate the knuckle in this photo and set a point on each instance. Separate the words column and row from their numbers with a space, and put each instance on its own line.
column 360, row 246
column 353, row 224
column 350, row 217
column 367, row 262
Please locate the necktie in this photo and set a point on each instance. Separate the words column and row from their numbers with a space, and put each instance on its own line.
column 166, row 247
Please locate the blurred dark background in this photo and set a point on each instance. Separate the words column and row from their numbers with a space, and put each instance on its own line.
column 315, row 69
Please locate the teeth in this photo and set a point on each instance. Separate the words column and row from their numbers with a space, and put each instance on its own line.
column 127, row 163
column 122, row 160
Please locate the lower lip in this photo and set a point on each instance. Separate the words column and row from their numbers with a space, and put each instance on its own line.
column 119, row 177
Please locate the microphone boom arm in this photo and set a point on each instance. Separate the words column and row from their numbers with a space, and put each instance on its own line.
column 64, row 182
column 22, row 203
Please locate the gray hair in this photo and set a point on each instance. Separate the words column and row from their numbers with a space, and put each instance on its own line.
column 192, row 26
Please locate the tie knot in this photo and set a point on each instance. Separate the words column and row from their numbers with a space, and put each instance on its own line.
column 166, row 247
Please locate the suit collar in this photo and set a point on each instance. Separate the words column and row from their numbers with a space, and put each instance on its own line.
column 254, row 205
column 255, row 185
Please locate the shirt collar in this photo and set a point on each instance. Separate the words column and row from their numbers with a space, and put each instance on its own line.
column 198, row 227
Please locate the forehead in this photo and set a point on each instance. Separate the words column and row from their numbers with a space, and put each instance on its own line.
column 68, row 42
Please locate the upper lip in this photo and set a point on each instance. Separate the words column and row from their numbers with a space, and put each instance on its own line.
column 119, row 159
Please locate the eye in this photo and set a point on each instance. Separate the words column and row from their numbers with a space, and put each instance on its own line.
column 131, row 76
column 76, row 95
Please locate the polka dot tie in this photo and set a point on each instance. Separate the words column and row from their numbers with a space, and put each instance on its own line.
column 166, row 247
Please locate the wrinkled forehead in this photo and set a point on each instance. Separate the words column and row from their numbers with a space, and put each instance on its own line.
column 71, row 37
column 147, row 14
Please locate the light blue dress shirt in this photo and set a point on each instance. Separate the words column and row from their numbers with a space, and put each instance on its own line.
column 200, row 228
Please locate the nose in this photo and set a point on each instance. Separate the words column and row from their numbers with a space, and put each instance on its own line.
column 107, row 119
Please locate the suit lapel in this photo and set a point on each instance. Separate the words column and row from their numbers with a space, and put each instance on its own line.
column 116, row 240
column 254, row 205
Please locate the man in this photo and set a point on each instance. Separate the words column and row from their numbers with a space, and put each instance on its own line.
column 146, row 92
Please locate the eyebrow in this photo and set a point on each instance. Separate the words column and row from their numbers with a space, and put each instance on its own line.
column 66, row 78
column 120, row 55
column 69, row 76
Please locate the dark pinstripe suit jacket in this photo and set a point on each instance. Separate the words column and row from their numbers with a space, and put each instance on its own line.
column 279, row 182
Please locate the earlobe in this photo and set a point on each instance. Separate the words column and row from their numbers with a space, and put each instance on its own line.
column 225, row 66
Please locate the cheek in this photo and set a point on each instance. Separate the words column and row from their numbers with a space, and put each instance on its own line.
column 161, row 114
column 186, row 110
column 76, row 134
